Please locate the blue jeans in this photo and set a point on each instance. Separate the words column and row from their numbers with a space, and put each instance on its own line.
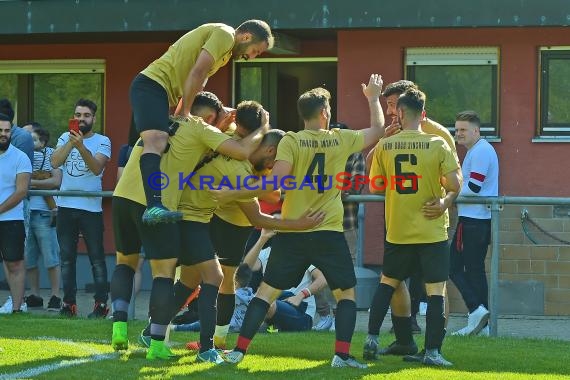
column 71, row 222
column 290, row 318
column 41, row 240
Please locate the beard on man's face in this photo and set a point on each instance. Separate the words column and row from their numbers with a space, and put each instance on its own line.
column 84, row 127
column 240, row 49
column 5, row 143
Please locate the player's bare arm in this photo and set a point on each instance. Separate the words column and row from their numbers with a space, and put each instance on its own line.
column 241, row 149
column 306, row 221
column 258, row 188
column 251, row 258
column 196, row 79
column 451, row 182
column 318, row 282
column 372, row 92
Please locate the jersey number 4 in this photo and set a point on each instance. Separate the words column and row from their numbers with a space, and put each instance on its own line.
column 319, row 164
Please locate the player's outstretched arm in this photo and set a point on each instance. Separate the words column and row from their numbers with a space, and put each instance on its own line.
column 307, row 221
column 195, row 81
column 372, row 92
column 263, row 186
column 253, row 254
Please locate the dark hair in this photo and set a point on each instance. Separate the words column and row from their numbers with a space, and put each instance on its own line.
column 87, row 103
column 206, row 99
column 312, row 102
column 413, row 99
column 260, row 31
column 248, row 115
column 243, row 275
column 272, row 137
column 338, row 125
column 470, row 116
column 398, row 88
column 42, row 133
column 7, row 110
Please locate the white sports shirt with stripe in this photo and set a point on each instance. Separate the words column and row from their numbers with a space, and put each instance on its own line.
column 480, row 179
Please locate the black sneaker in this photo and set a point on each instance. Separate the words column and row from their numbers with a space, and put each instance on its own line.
column 54, row 304
column 100, row 310
column 68, row 310
column 399, row 349
column 34, row 301
column 189, row 316
column 416, row 358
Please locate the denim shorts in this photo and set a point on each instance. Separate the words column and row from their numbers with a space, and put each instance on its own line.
column 41, row 240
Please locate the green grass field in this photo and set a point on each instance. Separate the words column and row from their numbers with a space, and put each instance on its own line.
column 48, row 347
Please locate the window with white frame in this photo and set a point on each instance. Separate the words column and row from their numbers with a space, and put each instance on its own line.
column 455, row 79
column 45, row 91
column 554, row 105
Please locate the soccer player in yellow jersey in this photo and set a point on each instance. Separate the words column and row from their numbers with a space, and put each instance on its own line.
column 405, row 306
column 410, row 168
column 177, row 76
column 310, row 157
column 191, row 141
column 199, row 254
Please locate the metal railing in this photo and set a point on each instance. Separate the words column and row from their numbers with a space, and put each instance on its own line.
column 495, row 204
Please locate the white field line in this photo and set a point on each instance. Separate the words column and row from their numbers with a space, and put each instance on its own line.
column 35, row 371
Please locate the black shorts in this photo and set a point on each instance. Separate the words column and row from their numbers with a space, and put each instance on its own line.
column 196, row 246
column 403, row 260
column 160, row 242
column 292, row 253
column 229, row 240
column 149, row 102
column 12, row 238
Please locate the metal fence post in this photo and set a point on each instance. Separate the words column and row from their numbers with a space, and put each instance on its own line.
column 360, row 235
column 495, row 249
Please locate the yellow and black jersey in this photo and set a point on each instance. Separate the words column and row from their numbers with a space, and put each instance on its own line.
column 192, row 140
column 173, row 67
column 409, row 165
column 317, row 158
column 434, row 128
column 197, row 204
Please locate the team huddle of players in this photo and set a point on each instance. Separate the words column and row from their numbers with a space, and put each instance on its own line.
column 204, row 232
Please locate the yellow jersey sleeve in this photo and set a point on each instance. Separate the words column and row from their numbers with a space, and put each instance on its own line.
column 220, row 41
column 376, row 169
column 172, row 68
column 286, row 148
column 448, row 159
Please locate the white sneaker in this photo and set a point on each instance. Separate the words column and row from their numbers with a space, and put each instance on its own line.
column 484, row 331
column 233, row 357
column 7, row 307
column 333, row 326
column 324, row 324
column 462, row 332
column 350, row 362
column 477, row 320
